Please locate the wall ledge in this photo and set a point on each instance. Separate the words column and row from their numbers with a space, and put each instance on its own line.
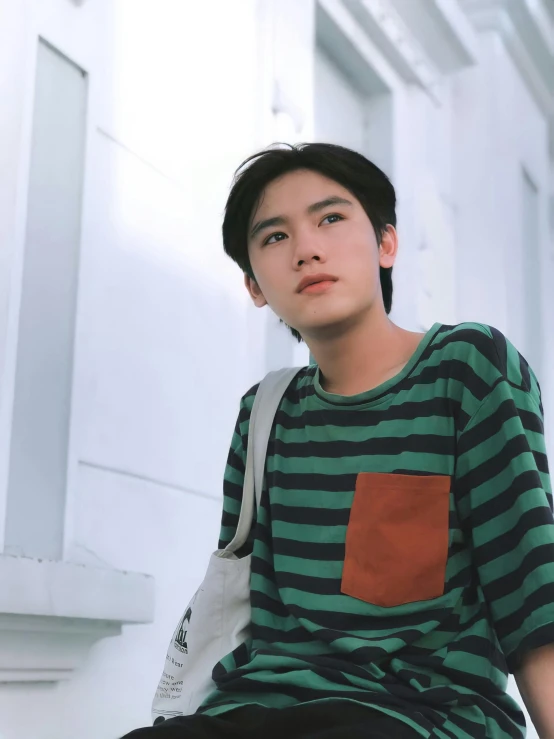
column 51, row 613
column 422, row 39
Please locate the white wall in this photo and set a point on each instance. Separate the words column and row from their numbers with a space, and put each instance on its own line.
column 163, row 346
column 498, row 129
column 423, row 179
column 167, row 339
column 340, row 107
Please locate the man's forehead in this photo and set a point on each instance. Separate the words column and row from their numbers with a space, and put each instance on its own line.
column 300, row 178
column 300, row 193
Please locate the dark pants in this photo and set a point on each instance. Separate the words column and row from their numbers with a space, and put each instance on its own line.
column 310, row 721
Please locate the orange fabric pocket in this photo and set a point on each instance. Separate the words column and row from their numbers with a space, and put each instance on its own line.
column 397, row 538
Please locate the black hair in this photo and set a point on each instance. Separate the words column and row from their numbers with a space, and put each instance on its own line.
column 352, row 170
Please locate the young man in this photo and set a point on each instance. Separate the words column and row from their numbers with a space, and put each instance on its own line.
column 403, row 553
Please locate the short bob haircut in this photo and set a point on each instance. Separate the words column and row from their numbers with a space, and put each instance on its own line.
column 352, row 170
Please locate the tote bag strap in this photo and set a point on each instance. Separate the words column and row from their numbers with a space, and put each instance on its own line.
column 268, row 396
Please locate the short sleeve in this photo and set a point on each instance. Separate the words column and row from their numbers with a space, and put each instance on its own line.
column 504, row 499
column 233, row 478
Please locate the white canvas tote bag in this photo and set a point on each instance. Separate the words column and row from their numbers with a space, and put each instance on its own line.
column 217, row 619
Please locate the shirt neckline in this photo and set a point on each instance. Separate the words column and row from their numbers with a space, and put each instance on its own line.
column 378, row 393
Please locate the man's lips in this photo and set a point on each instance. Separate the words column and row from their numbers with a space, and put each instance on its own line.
column 318, row 287
column 313, row 278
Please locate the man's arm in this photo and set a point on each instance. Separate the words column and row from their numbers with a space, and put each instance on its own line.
column 535, row 681
column 233, row 479
column 504, row 499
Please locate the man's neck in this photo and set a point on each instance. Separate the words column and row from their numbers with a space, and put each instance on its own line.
column 364, row 358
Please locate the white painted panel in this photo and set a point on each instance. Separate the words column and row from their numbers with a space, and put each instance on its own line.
column 40, row 427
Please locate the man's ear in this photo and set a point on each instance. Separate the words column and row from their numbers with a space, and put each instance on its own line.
column 388, row 248
column 254, row 291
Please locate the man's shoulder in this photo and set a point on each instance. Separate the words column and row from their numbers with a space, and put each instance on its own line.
column 467, row 337
column 489, row 354
column 247, row 400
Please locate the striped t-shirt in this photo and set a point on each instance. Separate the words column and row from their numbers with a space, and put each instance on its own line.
column 403, row 553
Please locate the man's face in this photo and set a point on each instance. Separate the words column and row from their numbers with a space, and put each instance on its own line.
column 309, row 234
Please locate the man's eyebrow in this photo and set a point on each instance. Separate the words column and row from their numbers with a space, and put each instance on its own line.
column 322, row 204
column 267, row 223
column 313, row 208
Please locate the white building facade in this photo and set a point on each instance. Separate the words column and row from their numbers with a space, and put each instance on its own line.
column 126, row 335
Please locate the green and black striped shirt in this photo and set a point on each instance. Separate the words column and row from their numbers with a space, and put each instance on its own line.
column 403, row 553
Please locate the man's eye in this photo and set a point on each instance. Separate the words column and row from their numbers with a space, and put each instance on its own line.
column 268, row 240
column 333, row 215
